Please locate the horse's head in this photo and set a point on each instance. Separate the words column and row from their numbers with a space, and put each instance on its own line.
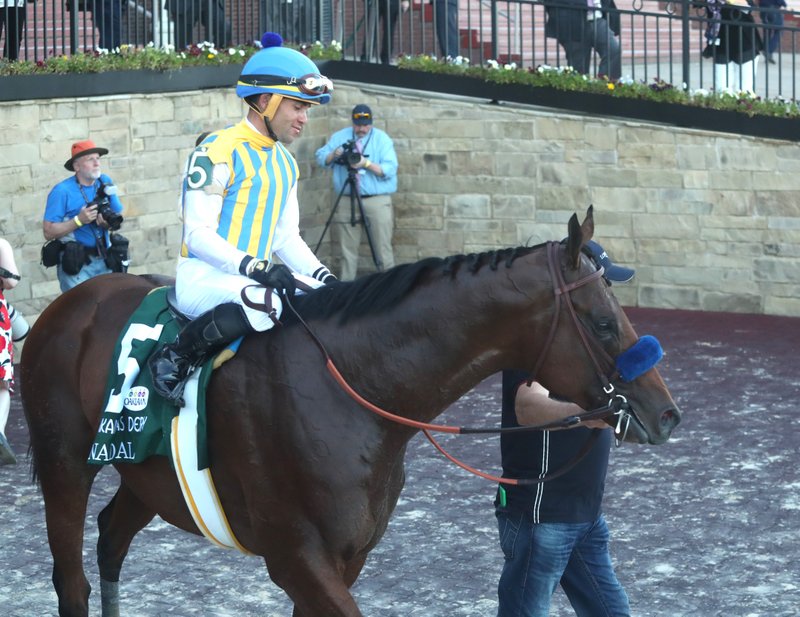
column 593, row 356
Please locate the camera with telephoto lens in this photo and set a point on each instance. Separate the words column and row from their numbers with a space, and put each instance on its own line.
column 103, row 202
column 350, row 156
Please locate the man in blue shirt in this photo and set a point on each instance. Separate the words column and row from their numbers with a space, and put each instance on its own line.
column 555, row 532
column 72, row 214
column 376, row 178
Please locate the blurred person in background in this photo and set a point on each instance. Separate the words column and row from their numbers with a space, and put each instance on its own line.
column 12, row 15
column 772, row 18
column 9, row 277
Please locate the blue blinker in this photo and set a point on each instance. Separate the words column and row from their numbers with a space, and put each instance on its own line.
column 639, row 358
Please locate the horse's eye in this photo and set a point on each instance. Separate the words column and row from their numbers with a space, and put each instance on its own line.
column 605, row 328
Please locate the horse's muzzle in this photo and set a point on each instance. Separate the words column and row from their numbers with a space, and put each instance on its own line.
column 639, row 432
column 667, row 421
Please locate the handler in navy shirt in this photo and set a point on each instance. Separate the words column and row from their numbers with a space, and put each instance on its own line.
column 555, row 532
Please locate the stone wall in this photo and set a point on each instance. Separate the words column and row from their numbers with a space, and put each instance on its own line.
column 709, row 221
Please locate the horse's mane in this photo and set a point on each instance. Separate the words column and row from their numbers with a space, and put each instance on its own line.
column 377, row 292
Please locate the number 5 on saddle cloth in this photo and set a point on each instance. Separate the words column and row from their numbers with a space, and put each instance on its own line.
column 137, row 423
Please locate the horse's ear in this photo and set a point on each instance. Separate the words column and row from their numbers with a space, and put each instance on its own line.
column 587, row 227
column 574, row 242
column 578, row 236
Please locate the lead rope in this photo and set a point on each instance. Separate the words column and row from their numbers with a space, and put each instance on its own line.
column 427, row 428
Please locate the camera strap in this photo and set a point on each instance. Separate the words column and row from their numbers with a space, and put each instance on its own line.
column 99, row 240
column 83, row 194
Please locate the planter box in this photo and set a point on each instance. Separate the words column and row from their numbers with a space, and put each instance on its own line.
column 24, row 87
column 582, row 102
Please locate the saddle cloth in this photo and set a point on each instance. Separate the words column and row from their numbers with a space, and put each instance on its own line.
column 138, row 423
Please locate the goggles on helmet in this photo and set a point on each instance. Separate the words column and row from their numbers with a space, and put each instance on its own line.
column 310, row 85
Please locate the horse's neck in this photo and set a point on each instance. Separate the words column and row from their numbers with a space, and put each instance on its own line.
column 443, row 340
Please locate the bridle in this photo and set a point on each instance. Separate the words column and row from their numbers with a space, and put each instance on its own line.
column 617, row 404
column 561, row 289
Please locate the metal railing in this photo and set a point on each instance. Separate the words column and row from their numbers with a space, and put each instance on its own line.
column 670, row 41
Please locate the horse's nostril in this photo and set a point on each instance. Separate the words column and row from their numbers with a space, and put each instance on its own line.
column 669, row 419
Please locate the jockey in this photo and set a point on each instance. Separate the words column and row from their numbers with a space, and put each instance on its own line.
column 239, row 208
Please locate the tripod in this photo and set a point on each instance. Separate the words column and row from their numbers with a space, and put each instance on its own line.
column 355, row 200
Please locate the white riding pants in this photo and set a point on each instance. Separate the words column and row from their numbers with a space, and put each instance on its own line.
column 199, row 287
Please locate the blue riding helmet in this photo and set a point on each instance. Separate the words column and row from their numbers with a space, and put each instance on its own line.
column 285, row 72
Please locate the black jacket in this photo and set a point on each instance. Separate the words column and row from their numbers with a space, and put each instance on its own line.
column 739, row 39
column 566, row 19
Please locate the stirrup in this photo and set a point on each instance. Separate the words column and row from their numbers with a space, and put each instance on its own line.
column 169, row 378
column 175, row 395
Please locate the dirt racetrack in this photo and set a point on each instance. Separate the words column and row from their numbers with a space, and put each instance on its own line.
column 706, row 525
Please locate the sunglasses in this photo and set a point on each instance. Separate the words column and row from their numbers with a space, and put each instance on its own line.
column 361, row 115
column 311, row 84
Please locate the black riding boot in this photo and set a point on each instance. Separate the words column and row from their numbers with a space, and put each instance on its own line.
column 171, row 365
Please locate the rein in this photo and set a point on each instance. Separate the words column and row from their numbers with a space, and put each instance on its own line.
column 616, row 406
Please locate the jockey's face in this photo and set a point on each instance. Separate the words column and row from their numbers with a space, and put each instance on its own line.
column 290, row 119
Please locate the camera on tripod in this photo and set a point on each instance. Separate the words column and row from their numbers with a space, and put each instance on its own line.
column 350, row 156
column 103, row 202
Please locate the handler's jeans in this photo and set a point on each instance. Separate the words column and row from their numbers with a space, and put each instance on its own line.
column 540, row 556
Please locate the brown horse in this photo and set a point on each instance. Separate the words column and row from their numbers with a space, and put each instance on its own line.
column 307, row 476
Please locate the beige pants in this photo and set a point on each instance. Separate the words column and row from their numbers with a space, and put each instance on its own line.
column 380, row 218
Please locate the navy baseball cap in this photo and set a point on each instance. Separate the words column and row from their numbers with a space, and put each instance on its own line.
column 362, row 115
column 612, row 272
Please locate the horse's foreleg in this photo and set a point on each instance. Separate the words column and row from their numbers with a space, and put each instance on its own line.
column 123, row 517
column 316, row 588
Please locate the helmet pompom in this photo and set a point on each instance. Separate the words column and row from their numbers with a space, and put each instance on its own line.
column 271, row 39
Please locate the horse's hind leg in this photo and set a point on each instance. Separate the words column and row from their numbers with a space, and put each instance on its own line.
column 65, row 487
column 123, row 517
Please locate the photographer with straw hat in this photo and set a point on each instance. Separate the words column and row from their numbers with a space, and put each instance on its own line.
column 79, row 213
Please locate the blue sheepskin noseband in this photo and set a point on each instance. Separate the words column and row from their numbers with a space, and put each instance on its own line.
column 640, row 358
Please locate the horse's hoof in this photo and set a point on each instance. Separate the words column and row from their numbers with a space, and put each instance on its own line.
column 7, row 456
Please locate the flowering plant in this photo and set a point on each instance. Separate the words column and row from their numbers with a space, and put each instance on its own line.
column 130, row 58
column 567, row 79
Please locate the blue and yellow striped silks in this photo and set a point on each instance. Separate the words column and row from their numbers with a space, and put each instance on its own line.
column 263, row 173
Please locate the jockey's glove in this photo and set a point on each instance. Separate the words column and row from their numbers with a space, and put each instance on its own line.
column 277, row 276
